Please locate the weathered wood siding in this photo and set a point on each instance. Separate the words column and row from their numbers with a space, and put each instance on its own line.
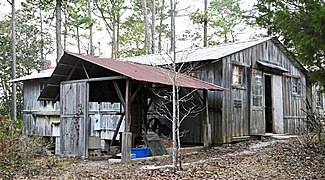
column 103, row 119
column 212, row 72
column 231, row 112
column 292, row 103
column 39, row 118
column 74, row 119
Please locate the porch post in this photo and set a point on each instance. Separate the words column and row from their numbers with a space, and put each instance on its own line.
column 127, row 135
column 206, row 123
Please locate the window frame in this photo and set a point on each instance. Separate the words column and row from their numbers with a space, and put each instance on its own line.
column 239, row 72
column 296, row 86
column 255, row 86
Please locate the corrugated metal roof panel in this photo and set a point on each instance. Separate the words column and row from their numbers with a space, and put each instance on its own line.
column 136, row 71
column 43, row 74
column 147, row 73
column 200, row 54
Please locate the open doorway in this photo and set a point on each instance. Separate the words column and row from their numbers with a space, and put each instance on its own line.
column 268, row 104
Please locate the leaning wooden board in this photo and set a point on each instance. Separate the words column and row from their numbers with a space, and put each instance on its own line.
column 152, row 140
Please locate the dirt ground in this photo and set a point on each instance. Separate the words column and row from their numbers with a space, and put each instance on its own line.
column 259, row 159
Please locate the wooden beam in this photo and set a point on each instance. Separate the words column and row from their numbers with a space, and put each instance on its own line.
column 53, row 85
column 110, row 78
column 136, row 92
column 117, row 129
column 84, row 68
column 72, row 70
column 197, row 95
column 207, row 131
column 66, row 65
column 127, row 105
column 119, row 94
column 59, row 75
column 127, row 135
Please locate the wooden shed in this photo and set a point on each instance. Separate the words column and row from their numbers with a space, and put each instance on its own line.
column 266, row 88
column 79, row 80
column 42, row 118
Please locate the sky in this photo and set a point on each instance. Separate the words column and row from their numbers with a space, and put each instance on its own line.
column 182, row 23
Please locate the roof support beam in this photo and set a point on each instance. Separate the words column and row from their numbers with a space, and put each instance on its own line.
column 73, row 69
column 111, row 78
column 85, row 70
column 135, row 94
column 128, row 105
column 66, row 65
column 119, row 94
column 59, row 75
column 53, row 85
column 127, row 135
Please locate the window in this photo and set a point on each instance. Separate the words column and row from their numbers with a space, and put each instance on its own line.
column 296, row 86
column 237, row 75
column 257, row 89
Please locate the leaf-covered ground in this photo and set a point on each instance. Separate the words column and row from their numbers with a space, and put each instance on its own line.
column 266, row 159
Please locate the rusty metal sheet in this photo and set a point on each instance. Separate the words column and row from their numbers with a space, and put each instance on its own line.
column 136, row 71
column 147, row 73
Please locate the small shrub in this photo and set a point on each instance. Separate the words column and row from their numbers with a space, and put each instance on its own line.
column 315, row 132
column 16, row 150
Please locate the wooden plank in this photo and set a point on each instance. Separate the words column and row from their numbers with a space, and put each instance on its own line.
column 152, row 140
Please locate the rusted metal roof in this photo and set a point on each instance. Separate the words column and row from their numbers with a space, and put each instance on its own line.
column 147, row 73
column 136, row 71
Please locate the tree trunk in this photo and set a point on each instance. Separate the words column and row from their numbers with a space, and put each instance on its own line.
column 178, row 155
column 160, row 26
column 91, row 48
column 13, row 93
column 58, row 30
column 65, row 26
column 42, row 41
column 78, row 39
column 117, row 54
column 113, row 38
column 174, row 120
column 146, row 25
column 153, row 26
column 205, row 26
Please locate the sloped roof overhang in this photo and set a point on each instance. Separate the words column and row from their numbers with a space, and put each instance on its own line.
column 136, row 71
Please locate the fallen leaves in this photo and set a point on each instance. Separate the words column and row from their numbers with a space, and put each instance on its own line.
column 271, row 159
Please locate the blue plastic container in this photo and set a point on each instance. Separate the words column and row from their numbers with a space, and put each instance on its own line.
column 140, row 152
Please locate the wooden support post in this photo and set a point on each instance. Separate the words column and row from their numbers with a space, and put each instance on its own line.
column 206, row 125
column 127, row 105
column 127, row 135
column 126, row 147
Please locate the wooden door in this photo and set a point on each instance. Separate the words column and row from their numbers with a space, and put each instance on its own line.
column 257, row 123
column 239, row 115
column 74, row 119
column 277, row 100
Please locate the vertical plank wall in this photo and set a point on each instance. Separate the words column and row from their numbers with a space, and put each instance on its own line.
column 38, row 117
